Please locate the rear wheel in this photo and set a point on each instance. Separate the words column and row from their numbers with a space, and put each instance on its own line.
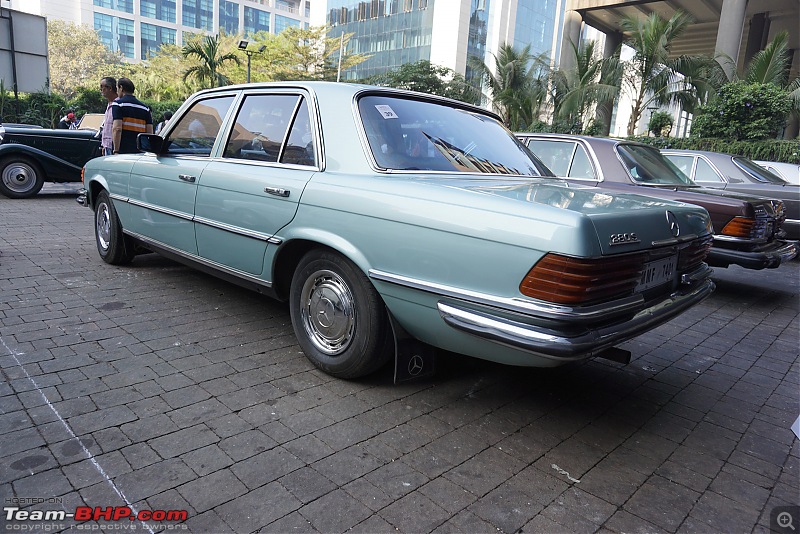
column 338, row 317
column 114, row 246
column 20, row 177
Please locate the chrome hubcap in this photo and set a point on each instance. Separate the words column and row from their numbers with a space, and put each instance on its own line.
column 103, row 226
column 19, row 177
column 328, row 312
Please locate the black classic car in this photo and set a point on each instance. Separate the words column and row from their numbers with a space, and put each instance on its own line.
column 747, row 228
column 31, row 156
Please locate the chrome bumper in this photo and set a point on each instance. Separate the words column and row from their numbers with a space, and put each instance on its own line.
column 767, row 257
column 564, row 342
column 82, row 198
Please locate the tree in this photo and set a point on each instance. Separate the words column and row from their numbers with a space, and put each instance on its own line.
column 308, row 54
column 155, row 78
column 652, row 76
column 517, row 84
column 208, row 52
column 660, row 122
column 425, row 77
column 77, row 57
column 576, row 92
column 772, row 65
column 743, row 111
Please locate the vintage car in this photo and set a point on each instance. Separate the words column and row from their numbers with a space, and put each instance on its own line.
column 31, row 156
column 747, row 228
column 788, row 171
column 394, row 221
column 735, row 173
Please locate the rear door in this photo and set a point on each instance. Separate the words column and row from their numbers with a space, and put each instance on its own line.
column 252, row 191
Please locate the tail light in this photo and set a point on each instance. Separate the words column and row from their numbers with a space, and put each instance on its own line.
column 564, row 280
column 692, row 256
column 746, row 227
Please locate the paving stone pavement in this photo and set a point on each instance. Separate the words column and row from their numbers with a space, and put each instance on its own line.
column 159, row 387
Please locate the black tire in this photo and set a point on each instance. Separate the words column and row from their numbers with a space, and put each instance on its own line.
column 114, row 246
column 357, row 339
column 20, row 177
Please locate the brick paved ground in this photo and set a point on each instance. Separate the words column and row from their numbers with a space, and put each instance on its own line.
column 162, row 387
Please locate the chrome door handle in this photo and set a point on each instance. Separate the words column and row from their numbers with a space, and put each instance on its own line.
column 187, row 178
column 278, row 192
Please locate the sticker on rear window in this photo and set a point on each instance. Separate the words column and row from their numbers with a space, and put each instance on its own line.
column 386, row 111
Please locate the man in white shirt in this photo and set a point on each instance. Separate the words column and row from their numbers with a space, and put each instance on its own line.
column 108, row 88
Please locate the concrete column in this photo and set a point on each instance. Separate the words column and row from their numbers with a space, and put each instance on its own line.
column 729, row 34
column 606, row 108
column 571, row 35
column 756, row 37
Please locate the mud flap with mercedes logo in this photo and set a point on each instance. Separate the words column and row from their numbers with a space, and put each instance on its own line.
column 413, row 359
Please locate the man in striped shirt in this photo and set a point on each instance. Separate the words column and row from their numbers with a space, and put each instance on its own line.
column 131, row 118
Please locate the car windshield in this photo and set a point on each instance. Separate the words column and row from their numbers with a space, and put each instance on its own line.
column 758, row 172
column 647, row 166
column 416, row 135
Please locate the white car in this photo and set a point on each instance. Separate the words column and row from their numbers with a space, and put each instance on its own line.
column 788, row 171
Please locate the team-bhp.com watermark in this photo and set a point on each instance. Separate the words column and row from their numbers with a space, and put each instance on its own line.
column 87, row 517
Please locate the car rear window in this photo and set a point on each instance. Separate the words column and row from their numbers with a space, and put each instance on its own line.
column 417, row 135
column 758, row 172
column 647, row 165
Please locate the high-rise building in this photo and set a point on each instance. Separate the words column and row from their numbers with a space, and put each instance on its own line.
column 138, row 27
column 445, row 32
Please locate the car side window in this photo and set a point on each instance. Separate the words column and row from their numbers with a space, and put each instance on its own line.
column 261, row 127
column 299, row 148
column 197, row 129
column 555, row 154
column 706, row 173
column 581, row 165
column 683, row 163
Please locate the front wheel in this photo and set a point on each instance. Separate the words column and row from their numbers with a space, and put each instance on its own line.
column 338, row 317
column 20, row 177
column 114, row 247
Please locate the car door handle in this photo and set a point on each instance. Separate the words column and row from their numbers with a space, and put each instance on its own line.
column 278, row 192
column 187, row 178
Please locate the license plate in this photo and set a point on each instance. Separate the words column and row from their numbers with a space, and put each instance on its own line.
column 657, row 272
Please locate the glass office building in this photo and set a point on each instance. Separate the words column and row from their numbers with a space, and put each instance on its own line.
column 137, row 28
column 394, row 32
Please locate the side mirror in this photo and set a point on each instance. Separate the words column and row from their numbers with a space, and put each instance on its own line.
column 150, row 143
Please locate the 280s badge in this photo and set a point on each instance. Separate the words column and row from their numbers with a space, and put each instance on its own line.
column 623, row 239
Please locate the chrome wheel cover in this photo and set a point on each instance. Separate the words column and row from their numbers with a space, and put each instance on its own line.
column 102, row 226
column 328, row 312
column 19, row 177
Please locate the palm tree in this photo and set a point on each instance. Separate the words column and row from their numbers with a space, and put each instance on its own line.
column 207, row 51
column 592, row 80
column 772, row 65
column 651, row 75
column 517, row 84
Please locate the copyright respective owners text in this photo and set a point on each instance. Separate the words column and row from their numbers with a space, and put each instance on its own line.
column 783, row 519
column 35, row 514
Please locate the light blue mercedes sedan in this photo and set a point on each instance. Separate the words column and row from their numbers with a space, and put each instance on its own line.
column 395, row 223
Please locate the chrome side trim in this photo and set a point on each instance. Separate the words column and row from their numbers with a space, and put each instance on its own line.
column 562, row 344
column 159, row 209
column 232, row 229
column 197, row 259
column 731, row 239
column 518, row 305
column 121, row 198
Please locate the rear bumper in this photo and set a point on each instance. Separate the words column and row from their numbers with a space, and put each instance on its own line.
column 564, row 341
column 769, row 257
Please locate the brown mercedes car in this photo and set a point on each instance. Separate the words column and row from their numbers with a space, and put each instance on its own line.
column 747, row 228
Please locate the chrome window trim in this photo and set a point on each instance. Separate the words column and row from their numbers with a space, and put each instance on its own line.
column 289, row 127
column 518, row 305
column 316, row 127
column 195, row 258
column 590, row 153
column 236, row 94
